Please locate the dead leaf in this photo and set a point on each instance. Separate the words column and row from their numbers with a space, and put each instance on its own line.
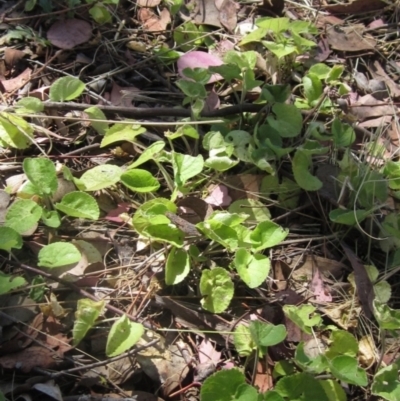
column 152, row 22
column 13, row 84
column 148, row 3
column 202, row 209
column 244, row 186
column 322, row 51
column 219, row 196
column 29, row 358
column 367, row 353
column 50, row 389
column 263, row 377
column 212, row 101
column 227, row 14
column 364, row 286
column 350, row 39
column 379, row 73
column 67, row 34
column 369, row 107
column 206, row 12
column 13, row 56
column 355, row 7
column 318, row 288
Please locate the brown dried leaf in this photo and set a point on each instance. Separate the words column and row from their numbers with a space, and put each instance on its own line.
column 148, row 3
column 152, row 22
column 355, row 7
column 227, row 14
column 244, row 186
column 206, row 12
column 379, row 73
column 350, row 39
column 29, row 358
column 18, row 82
column 369, row 107
column 13, row 56
column 364, row 286
column 67, row 34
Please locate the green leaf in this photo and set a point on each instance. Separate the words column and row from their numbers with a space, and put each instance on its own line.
column 42, row 174
column 9, row 282
column 387, row 317
column 320, row 70
column 99, row 177
column 9, row 239
column 100, row 14
column 228, row 71
column 243, row 340
column 15, row 131
column 280, row 49
column 386, row 383
column 122, row 132
column 343, row 134
column 342, row 343
column 193, row 90
column 94, row 114
column 216, row 287
column 220, row 163
column 66, row 88
column 138, row 180
column 150, row 221
column 345, row 368
column 252, row 269
column 23, row 215
column 312, row 88
column 303, row 316
column 51, row 218
column 177, row 266
column 335, row 73
column 392, row 172
column 333, row 390
column 58, row 254
column 287, row 121
column 123, row 335
column 86, row 315
column 301, row 164
column 267, row 234
column 222, row 386
column 79, row 204
column 301, row 386
column 276, row 25
column 38, row 288
column 256, row 210
column 150, row 153
column 186, row 167
column 254, row 36
column 29, row 105
column 314, row 364
column 348, row 217
column 265, row 334
column 270, row 395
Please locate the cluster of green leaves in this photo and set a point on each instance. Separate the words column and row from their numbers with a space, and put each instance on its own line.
column 284, row 37
column 334, row 359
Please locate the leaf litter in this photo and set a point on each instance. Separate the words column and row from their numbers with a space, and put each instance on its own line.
column 309, row 267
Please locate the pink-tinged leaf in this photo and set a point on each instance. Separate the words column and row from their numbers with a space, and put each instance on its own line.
column 208, row 353
column 69, row 33
column 113, row 215
column 198, row 59
column 318, row 288
column 219, row 196
column 212, row 101
column 376, row 24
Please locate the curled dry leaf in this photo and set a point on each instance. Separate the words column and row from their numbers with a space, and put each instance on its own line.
column 227, row 13
column 69, row 33
column 350, row 39
column 151, row 21
column 13, row 84
column 148, row 3
column 198, row 59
